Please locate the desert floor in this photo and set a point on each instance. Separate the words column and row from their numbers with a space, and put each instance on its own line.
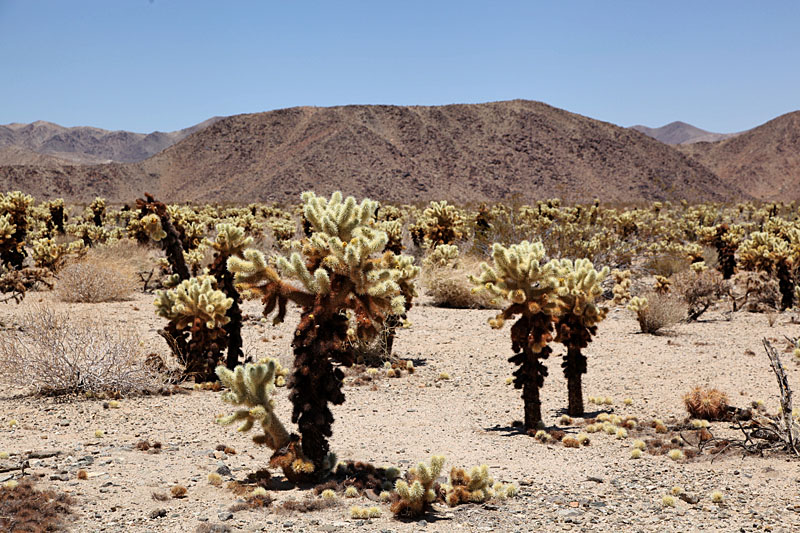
column 466, row 418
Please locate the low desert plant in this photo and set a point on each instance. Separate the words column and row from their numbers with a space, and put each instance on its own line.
column 24, row 508
column 706, row 404
column 700, row 290
column 412, row 497
column 96, row 279
column 56, row 353
column 656, row 311
column 447, row 284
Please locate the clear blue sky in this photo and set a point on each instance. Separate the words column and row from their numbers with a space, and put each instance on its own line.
column 145, row 65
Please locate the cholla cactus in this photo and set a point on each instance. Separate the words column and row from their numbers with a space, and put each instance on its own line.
column 98, row 210
column 230, row 241
column 663, row 284
column 578, row 315
column 775, row 254
column 252, row 386
column 439, row 224
column 151, row 225
column 475, row 487
column 167, row 234
column 530, row 288
column 14, row 229
column 622, row 286
column 342, row 267
column 195, row 307
column 442, row 255
column 413, row 496
column 51, row 255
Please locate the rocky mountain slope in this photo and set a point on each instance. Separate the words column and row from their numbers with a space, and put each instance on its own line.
column 463, row 153
column 682, row 133
column 763, row 162
column 90, row 145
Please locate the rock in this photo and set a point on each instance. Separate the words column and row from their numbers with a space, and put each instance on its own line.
column 44, row 454
column 158, row 513
column 222, row 469
column 225, row 515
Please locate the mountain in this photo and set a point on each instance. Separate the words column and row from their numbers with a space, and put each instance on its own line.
column 463, row 153
column 763, row 162
column 90, row 145
column 681, row 133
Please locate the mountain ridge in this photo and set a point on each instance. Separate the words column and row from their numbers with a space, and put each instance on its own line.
column 462, row 152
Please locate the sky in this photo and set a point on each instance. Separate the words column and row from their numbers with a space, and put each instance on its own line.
column 162, row 65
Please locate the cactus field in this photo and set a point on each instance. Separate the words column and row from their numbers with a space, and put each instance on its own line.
column 340, row 364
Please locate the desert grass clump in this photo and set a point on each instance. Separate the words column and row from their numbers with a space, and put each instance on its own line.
column 668, row 501
column 178, row 491
column 655, row 312
column 636, row 453
column 717, row 497
column 24, row 508
column 706, row 404
column 57, row 353
column 92, row 280
column 444, row 275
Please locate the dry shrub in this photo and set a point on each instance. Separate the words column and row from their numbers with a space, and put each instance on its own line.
column 700, row 290
column 25, row 508
column 662, row 311
column 706, row 404
column 667, row 264
column 106, row 274
column 449, row 286
column 307, row 505
column 56, row 353
column 757, row 292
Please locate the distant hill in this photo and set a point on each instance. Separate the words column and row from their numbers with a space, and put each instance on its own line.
column 463, row 153
column 763, row 162
column 90, row 145
column 682, row 133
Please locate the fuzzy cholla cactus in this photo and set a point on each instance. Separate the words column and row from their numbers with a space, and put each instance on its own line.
column 151, row 226
column 252, row 386
column 191, row 301
column 413, row 496
column 475, row 487
column 14, row 205
column 342, row 268
column 196, row 311
column 442, row 255
column 579, row 288
column 231, row 239
column 519, row 277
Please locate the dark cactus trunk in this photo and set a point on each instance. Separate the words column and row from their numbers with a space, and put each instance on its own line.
column 233, row 328
column 57, row 218
column 319, row 343
column 574, row 367
column 785, row 285
column 525, row 333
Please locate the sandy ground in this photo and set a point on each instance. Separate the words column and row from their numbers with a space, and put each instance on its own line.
column 466, row 418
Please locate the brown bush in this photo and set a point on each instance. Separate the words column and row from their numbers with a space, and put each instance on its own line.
column 757, row 292
column 26, row 508
column 700, row 290
column 663, row 310
column 667, row 264
column 57, row 354
column 449, row 286
column 707, row 404
column 100, row 277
